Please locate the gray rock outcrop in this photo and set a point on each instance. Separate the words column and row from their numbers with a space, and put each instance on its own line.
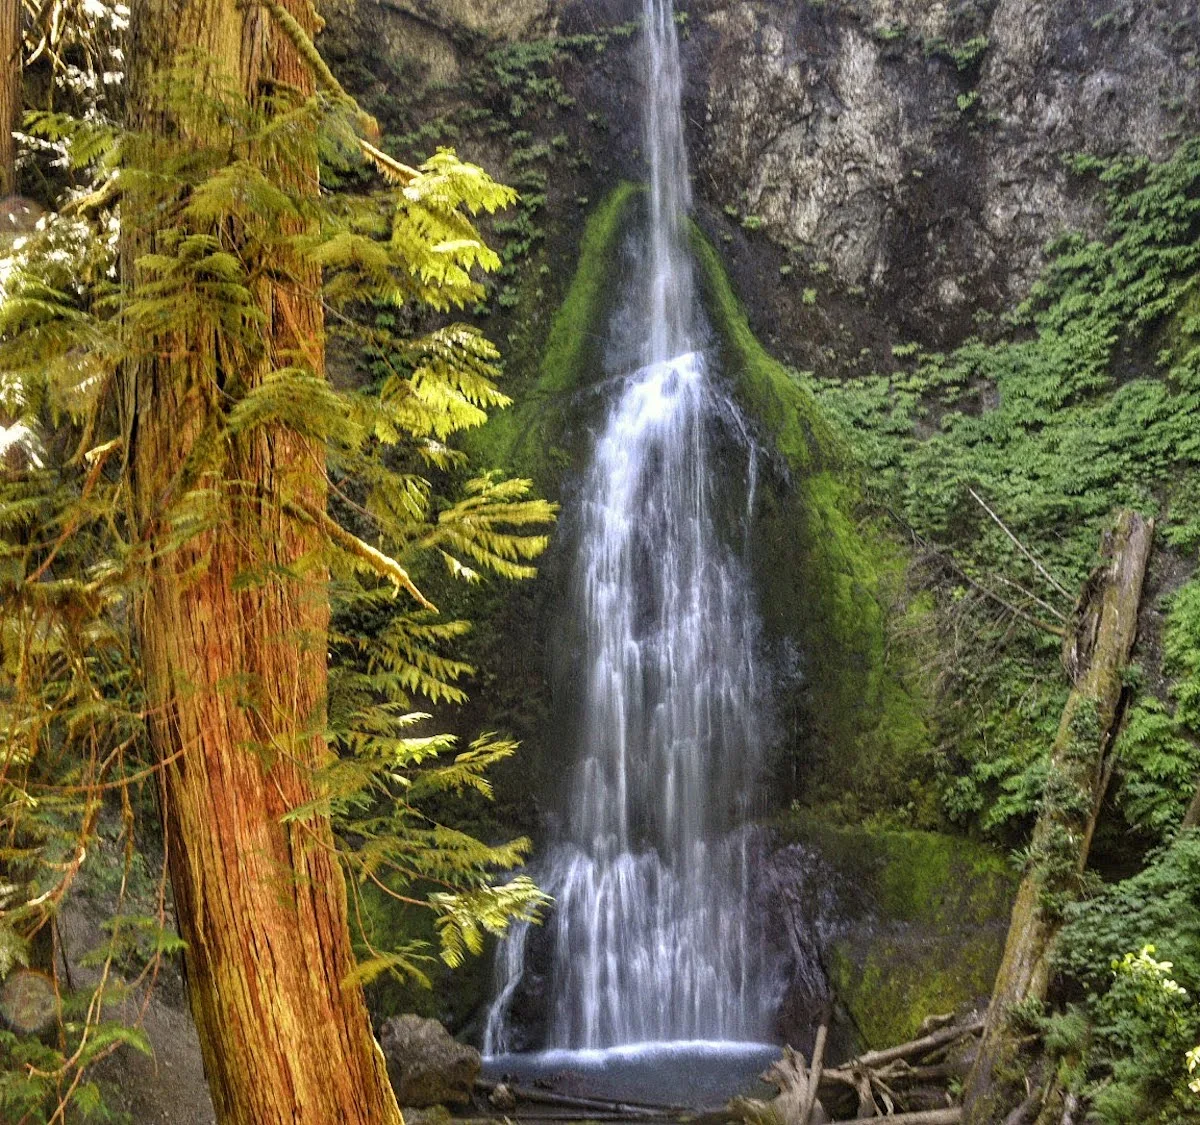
column 920, row 147
column 426, row 1065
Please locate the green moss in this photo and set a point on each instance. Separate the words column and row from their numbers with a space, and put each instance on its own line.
column 899, row 981
column 770, row 393
column 927, row 935
column 527, row 437
column 831, row 580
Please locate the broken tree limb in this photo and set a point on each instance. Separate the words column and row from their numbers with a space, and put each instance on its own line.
column 814, row 1075
column 919, row 1047
column 1096, row 652
column 1021, row 547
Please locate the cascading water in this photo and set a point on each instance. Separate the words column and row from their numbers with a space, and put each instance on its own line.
column 652, row 932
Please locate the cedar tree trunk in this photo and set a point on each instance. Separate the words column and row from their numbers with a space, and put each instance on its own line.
column 233, row 623
column 10, row 92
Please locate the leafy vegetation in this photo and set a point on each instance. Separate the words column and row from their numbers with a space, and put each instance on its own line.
column 76, row 323
column 1003, row 458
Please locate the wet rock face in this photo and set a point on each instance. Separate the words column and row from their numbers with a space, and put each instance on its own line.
column 426, row 1066
column 919, row 147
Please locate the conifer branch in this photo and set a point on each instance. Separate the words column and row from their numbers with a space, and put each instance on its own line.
column 376, row 560
column 325, row 78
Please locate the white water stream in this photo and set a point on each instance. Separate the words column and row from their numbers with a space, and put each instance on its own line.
column 653, row 934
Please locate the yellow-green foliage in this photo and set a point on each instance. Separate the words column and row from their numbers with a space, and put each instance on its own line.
column 73, row 557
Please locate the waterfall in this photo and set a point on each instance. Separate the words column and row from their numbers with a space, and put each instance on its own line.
column 653, row 934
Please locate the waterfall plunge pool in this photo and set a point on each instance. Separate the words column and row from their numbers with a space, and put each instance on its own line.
column 697, row 1073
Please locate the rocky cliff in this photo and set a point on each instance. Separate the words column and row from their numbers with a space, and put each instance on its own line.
column 920, row 150
column 914, row 153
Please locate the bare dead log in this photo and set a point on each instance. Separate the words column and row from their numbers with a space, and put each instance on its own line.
column 952, row 1116
column 1025, row 1111
column 917, row 1048
column 814, row 1077
column 1096, row 652
column 881, row 1080
column 792, row 1106
column 534, row 1096
column 861, row 1082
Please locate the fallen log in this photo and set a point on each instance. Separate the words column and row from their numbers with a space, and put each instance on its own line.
column 951, row 1116
column 1096, row 652
column 534, row 1096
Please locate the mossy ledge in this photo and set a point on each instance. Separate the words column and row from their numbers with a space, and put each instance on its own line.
column 925, row 921
column 830, row 580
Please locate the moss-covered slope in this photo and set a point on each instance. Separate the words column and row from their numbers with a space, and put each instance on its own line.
column 922, row 929
column 831, row 583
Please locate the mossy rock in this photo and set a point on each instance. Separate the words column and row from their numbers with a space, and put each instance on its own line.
column 924, row 919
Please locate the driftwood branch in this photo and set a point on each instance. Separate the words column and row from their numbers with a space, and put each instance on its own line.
column 880, row 1081
column 793, row 1105
column 814, row 1077
column 950, row 1116
column 919, row 1047
column 619, row 1109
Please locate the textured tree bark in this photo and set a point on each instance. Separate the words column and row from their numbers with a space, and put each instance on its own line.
column 10, row 92
column 1095, row 653
column 235, row 668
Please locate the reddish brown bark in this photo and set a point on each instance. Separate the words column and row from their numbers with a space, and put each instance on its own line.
column 10, row 92
column 236, row 670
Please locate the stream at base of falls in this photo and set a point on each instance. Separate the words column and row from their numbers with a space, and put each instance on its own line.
column 693, row 1073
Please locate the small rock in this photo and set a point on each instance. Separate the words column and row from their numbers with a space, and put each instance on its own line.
column 503, row 1099
column 426, row 1065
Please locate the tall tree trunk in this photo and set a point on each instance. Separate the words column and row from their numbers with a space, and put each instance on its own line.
column 233, row 626
column 1096, row 653
column 10, row 92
